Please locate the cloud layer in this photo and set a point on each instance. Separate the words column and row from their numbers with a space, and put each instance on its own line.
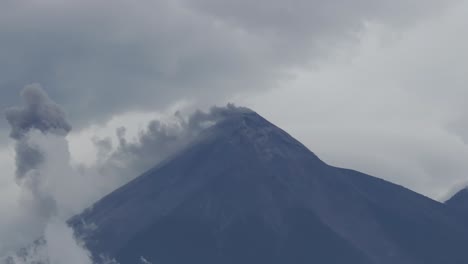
column 100, row 59
column 395, row 107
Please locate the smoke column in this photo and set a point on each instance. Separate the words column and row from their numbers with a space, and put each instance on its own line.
column 39, row 128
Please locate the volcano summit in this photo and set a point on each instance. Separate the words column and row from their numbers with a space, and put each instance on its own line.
column 244, row 191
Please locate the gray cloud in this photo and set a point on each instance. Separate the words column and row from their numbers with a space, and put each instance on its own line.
column 307, row 24
column 41, row 113
column 397, row 110
column 28, row 157
column 44, row 178
column 99, row 59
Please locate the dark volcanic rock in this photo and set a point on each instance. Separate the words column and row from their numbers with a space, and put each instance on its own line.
column 459, row 203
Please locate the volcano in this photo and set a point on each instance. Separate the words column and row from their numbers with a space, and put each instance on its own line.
column 247, row 192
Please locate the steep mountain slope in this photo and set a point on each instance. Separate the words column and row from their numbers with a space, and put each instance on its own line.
column 247, row 192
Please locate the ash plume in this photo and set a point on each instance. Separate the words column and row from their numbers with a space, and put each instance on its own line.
column 38, row 112
column 45, row 178
column 156, row 142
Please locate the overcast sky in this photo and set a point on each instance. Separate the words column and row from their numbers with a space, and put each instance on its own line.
column 377, row 86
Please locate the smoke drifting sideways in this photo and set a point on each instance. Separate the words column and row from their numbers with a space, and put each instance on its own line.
column 44, row 177
column 160, row 140
column 52, row 190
